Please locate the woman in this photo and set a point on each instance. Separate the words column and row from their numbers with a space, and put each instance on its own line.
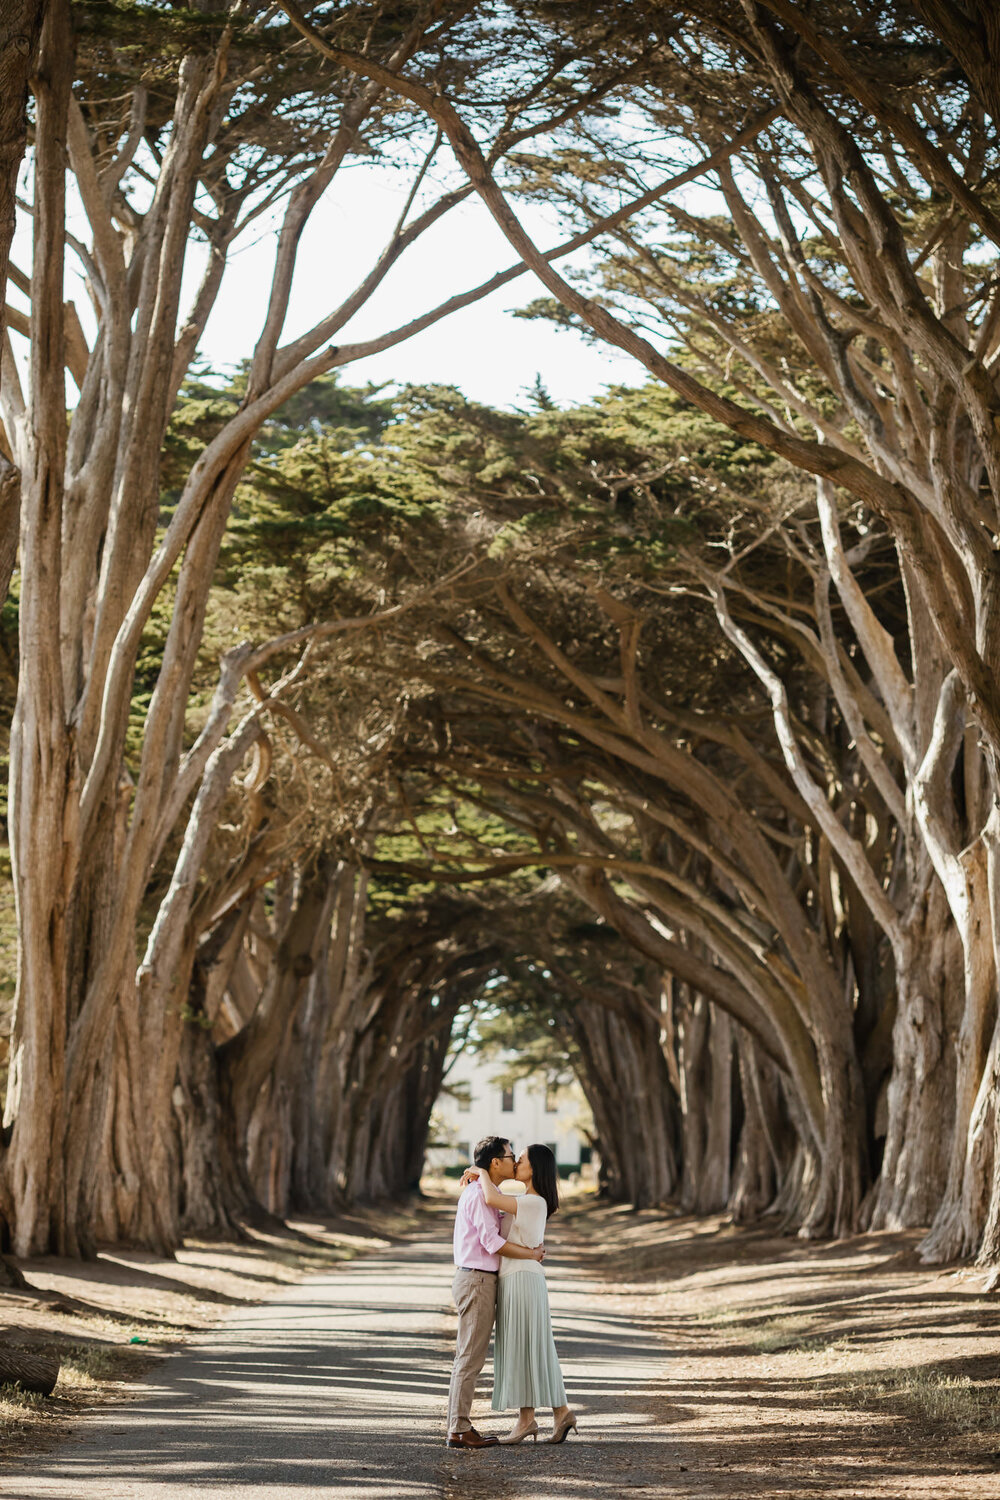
column 525, row 1364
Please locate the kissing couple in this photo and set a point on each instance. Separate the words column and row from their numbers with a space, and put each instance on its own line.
column 499, row 1251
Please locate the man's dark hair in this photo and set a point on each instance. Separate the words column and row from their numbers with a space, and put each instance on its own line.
column 489, row 1148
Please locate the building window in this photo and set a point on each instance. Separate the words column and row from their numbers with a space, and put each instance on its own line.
column 553, row 1147
column 465, row 1150
column 551, row 1103
column 507, row 1100
column 464, row 1103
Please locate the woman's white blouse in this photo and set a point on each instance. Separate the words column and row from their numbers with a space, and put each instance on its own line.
column 528, row 1228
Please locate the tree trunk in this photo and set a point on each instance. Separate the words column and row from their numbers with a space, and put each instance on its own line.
column 706, row 1067
column 766, row 1142
column 716, row 1165
column 986, row 1158
column 247, row 1061
column 396, row 1129
column 30, row 1370
column 625, row 1078
column 42, row 757
column 958, row 1224
column 921, row 1092
column 213, row 1199
column 692, row 1023
column 835, row 1206
column 293, row 1120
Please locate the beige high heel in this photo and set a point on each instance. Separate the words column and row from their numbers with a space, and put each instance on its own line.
column 519, row 1437
column 559, row 1432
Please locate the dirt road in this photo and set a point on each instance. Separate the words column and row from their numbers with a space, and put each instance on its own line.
column 727, row 1372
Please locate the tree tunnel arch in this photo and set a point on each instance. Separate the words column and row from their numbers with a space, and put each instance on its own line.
column 611, row 1049
column 319, row 1033
column 687, row 1108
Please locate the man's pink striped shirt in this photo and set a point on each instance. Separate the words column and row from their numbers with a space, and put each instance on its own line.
column 477, row 1232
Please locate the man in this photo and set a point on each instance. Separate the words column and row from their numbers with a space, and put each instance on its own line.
column 479, row 1244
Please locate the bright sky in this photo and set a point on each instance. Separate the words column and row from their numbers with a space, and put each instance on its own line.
column 484, row 350
column 489, row 354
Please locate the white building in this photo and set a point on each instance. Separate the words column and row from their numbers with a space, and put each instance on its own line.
column 528, row 1112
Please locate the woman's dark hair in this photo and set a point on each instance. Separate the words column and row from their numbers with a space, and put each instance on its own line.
column 544, row 1176
column 489, row 1148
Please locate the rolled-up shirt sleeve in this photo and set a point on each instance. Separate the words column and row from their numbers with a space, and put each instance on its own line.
column 486, row 1224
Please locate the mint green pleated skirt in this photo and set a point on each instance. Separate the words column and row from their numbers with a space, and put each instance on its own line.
column 525, row 1364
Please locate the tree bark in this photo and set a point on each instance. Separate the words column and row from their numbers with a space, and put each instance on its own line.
column 30, row 1370
column 247, row 1060
column 970, row 29
column 42, row 759
column 705, row 1060
column 627, row 1084
column 921, row 1092
column 19, row 33
column 766, row 1142
column 959, row 1221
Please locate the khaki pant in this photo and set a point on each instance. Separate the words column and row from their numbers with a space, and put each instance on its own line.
column 475, row 1296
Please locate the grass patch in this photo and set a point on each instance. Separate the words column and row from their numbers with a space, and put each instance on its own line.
column 92, row 1365
column 15, row 1401
column 953, row 1402
column 86, row 1371
column 771, row 1335
column 775, row 1333
column 768, row 1333
column 720, row 1317
column 798, row 1335
column 20, row 1411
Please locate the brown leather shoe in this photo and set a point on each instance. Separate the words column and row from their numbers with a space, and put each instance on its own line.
column 470, row 1438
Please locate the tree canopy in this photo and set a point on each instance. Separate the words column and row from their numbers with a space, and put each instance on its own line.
column 665, row 727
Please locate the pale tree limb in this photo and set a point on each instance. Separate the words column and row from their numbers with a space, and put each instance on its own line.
column 875, row 640
column 108, row 255
column 870, row 756
column 304, row 199
column 848, row 850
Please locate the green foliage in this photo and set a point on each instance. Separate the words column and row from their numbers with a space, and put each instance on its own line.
column 515, row 1018
column 354, row 497
column 325, row 520
column 283, row 99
